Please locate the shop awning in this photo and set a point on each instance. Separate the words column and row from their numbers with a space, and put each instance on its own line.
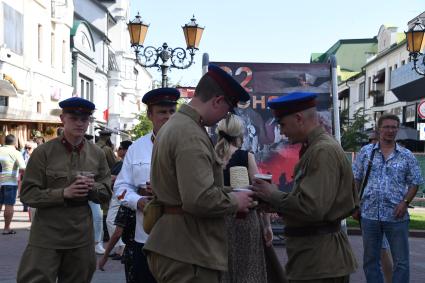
column 7, row 89
column 344, row 93
column 406, row 133
column 379, row 77
column 23, row 120
column 411, row 91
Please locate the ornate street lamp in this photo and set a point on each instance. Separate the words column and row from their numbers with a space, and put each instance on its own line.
column 415, row 36
column 178, row 57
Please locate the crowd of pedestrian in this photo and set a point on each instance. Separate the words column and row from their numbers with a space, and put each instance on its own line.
column 179, row 208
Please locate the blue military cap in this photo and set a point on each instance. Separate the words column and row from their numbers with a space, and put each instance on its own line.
column 231, row 88
column 292, row 103
column 77, row 105
column 165, row 95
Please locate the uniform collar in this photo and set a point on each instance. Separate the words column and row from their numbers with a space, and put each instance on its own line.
column 195, row 116
column 314, row 134
column 311, row 137
column 192, row 113
column 69, row 147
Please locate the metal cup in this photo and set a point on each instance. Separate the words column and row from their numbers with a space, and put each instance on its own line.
column 265, row 177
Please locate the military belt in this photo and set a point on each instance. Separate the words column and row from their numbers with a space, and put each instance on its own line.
column 173, row 210
column 328, row 228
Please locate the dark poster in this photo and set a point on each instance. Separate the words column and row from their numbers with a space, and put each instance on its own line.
column 264, row 81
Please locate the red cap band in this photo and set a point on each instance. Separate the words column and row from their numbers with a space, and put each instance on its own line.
column 293, row 107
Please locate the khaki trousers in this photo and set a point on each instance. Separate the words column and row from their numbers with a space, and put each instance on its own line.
column 343, row 279
column 40, row 265
column 167, row 270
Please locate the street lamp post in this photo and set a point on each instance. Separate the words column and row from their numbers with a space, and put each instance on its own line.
column 178, row 57
column 415, row 36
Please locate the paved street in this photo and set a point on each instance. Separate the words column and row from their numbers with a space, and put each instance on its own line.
column 12, row 246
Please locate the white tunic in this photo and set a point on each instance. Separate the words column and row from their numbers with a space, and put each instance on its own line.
column 135, row 172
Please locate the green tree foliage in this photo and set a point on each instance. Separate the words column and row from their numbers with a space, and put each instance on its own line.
column 143, row 127
column 352, row 130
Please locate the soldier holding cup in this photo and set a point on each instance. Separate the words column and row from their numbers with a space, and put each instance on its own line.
column 322, row 195
column 60, row 247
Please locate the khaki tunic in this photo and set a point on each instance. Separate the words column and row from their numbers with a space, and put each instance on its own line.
column 323, row 192
column 109, row 153
column 63, row 223
column 185, row 172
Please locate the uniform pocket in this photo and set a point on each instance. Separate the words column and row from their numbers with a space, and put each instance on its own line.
column 56, row 179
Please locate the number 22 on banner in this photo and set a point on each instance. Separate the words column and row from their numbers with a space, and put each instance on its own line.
column 240, row 70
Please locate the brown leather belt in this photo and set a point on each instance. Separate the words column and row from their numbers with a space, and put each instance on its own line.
column 312, row 230
column 173, row 210
column 74, row 203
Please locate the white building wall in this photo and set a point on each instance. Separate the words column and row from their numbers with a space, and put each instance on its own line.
column 130, row 81
column 92, row 13
column 357, row 103
column 38, row 78
column 95, row 68
column 387, row 60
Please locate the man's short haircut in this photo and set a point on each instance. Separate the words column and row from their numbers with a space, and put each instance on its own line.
column 207, row 88
column 125, row 144
column 388, row 116
column 10, row 140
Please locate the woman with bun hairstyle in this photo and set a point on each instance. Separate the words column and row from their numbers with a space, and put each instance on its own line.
column 247, row 235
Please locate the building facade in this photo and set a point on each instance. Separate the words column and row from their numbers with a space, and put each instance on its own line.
column 104, row 66
column 391, row 55
column 351, row 55
column 35, row 66
column 387, row 84
column 128, row 81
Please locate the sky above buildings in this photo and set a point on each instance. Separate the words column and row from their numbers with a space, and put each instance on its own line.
column 272, row 31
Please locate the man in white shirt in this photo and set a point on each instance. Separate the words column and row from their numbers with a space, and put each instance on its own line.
column 135, row 172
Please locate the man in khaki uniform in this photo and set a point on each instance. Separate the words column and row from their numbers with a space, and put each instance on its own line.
column 61, row 247
column 323, row 194
column 188, row 243
column 104, row 143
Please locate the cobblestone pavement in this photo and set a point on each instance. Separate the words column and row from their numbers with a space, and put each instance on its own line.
column 12, row 246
